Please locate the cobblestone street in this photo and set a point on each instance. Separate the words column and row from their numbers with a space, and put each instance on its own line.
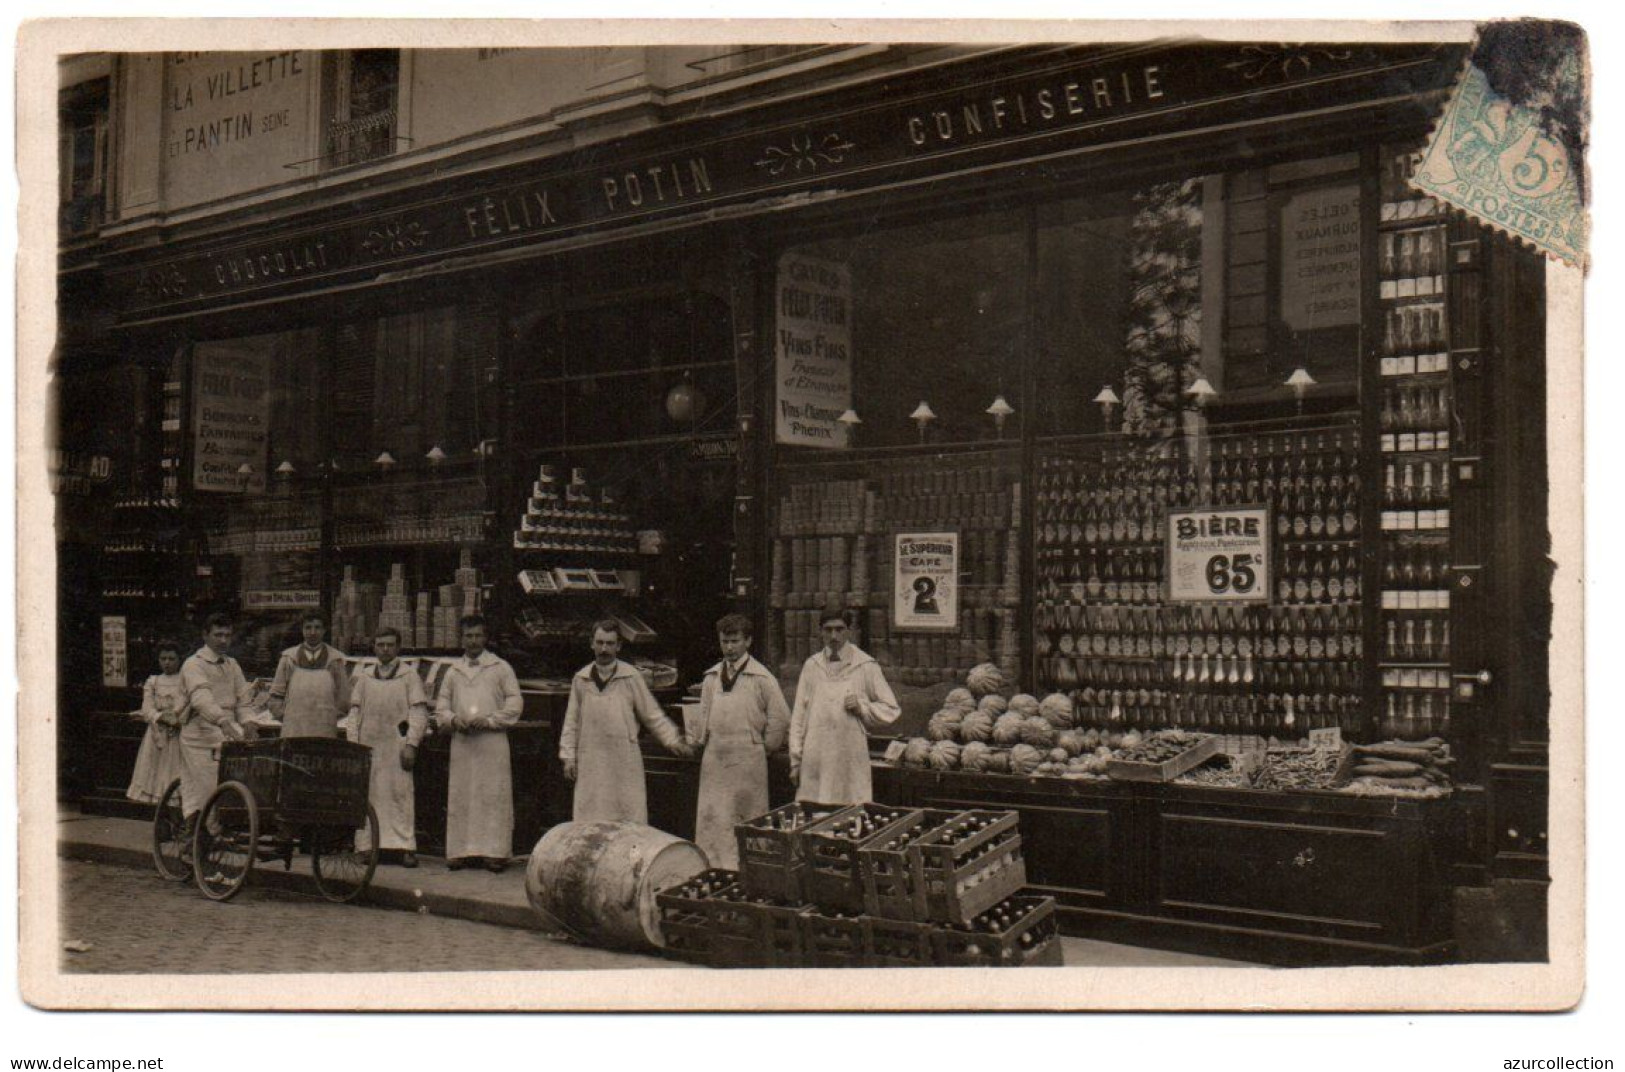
column 136, row 922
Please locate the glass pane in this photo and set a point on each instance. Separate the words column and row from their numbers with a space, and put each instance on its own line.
column 938, row 316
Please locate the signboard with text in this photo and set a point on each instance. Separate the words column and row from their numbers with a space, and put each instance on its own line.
column 234, row 121
column 812, row 338
column 925, row 589
column 1219, row 554
column 282, row 599
column 115, row 652
column 1320, row 258
column 231, row 412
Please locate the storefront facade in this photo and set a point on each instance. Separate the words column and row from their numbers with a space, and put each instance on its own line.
column 959, row 344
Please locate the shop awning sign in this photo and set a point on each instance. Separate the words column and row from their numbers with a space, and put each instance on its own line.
column 1219, row 554
column 813, row 344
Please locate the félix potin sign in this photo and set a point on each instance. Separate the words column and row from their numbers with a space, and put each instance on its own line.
column 1219, row 555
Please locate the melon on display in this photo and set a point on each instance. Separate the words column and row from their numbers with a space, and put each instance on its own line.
column 994, row 704
column 1024, row 759
column 959, row 698
column 944, row 725
column 1007, row 730
column 976, row 726
column 1024, row 704
column 985, row 679
column 974, row 756
column 1057, row 708
column 917, row 752
column 945, row 755
column 1036, row 731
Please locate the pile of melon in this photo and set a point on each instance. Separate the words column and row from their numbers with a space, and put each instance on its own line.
column 988, row 727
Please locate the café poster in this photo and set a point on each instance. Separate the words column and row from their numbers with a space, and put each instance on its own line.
column 1219, row 555
column 812, row 345
column 925, row 593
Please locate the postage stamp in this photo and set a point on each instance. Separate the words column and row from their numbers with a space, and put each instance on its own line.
column 1490, row 158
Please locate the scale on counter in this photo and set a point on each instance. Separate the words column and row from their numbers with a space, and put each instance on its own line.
column 538, row 582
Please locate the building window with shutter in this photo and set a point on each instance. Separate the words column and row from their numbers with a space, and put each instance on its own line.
column 84, row 158
column 363, row 107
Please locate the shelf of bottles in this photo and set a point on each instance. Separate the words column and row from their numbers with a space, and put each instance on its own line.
column 573, row 516
column 833, row 546
column 1415, row 423
column 1106, row 634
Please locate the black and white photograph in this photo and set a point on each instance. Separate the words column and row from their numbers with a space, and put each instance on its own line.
column 648, row 521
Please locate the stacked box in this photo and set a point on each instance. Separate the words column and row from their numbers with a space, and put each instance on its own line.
column 966, row 866
column 829, row 849
column 1015, row 933
column 886, row 865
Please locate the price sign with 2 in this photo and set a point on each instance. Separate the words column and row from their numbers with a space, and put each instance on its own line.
column 1219, row 554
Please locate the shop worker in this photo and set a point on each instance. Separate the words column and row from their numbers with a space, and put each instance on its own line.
column 217, row 695
column 479, row 702
column 743, row 717
column 389, row 713
column 311, row 689
column 841, row 698
column 599, row 746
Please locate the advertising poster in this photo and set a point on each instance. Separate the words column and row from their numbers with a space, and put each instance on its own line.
column 925, row 596
column 1320, row 259
column 231, row 413
column 1219, row 555
column 115, row 653
column 812, row 340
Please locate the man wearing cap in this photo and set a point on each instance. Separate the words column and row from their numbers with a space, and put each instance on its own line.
column 599, row 744
column 841, row 698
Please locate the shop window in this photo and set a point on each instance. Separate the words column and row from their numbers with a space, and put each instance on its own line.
column 83, row 160
column 363, row 121
column 938, row 315
column 628, row 371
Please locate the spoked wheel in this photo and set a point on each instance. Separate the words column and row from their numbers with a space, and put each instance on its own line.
column 226, row 841
column 169, row 842
column 343, row 871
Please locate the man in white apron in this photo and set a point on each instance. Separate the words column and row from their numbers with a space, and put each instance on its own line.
column 599, row 743
column 310, row 690
column 389, row 714
column 743, row 718
column 841, row 698
column 216, row 694
column 479, row 702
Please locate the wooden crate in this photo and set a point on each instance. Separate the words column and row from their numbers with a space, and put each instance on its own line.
column 1168, row 769
column 831, row 940
column 770, row 862
column 888, row 870
column 685, row 914
column 737, row 931
column 897, row 943
column 1028, row 937
column 831, row 878
column 779, row 931
column 955, row 881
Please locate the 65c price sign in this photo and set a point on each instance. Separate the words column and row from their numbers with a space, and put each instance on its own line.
column 1219, row 554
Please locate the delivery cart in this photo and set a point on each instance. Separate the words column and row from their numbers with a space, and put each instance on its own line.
column 276, row 797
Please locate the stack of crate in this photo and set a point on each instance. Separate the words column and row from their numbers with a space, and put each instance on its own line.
column 869, row 885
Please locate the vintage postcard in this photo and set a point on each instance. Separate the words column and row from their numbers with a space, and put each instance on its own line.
column 640, row 516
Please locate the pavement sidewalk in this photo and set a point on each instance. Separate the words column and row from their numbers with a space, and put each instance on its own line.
column 478, row 895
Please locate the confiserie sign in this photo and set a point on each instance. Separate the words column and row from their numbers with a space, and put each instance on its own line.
column 1060, row 100
column 1219, row 554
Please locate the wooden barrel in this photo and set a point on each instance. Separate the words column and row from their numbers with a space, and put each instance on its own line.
column 597, row 881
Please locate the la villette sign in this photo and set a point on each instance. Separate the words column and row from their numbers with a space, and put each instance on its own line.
column 1061, row 99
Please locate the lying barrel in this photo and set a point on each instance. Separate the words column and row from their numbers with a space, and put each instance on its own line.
column 597, row 881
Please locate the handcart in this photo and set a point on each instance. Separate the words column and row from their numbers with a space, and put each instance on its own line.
column 275, row 796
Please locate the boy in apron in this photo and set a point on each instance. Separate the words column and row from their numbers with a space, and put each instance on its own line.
column 310, row 690
column 216, row 696
column 841, row 698
column 479, row 702
column 743, row 718
column 389, row 713
column 599, row 743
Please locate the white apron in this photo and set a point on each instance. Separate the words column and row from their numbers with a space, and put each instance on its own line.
column 479, row 798
column 216, row 687
column 738, row 728
column 310, row 707
column 601, row 734
column 832, row 745
column 386, row 715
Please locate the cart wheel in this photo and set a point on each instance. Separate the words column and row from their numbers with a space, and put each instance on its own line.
column 343, row 871
column 226, row 841
column 169, row 847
